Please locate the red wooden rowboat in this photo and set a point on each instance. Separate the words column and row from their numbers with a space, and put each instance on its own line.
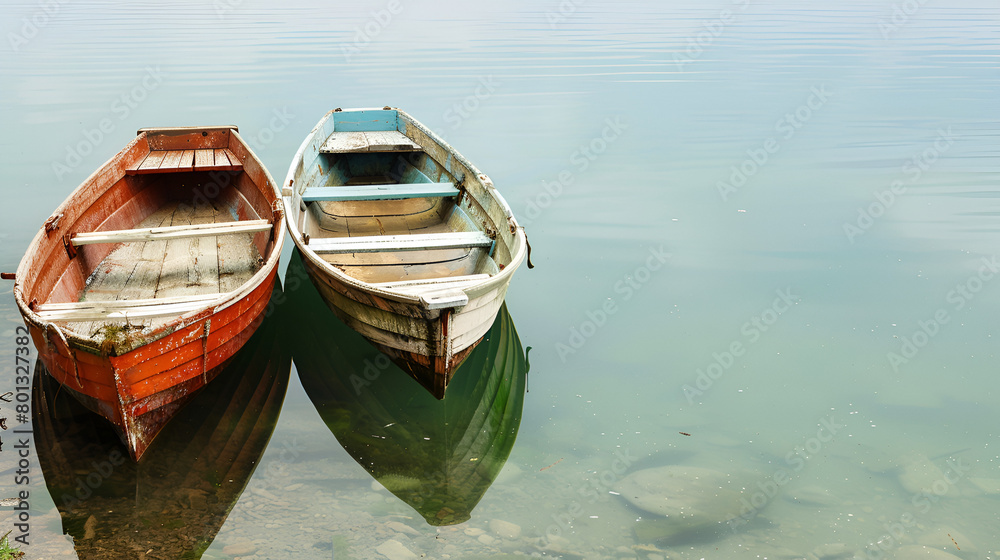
column 153, row 273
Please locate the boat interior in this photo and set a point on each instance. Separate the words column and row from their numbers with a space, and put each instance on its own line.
column 176, row 229
column 392, row 218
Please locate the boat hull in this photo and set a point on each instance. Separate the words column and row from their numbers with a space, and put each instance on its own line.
column 139, row 391
column 177, row 498
column 134, row 319
column 427, row 341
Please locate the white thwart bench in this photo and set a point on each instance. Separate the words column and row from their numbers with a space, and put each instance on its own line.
column 437, row 293
column 125, row 309
column 170, row 232
column 380, row 192
column 431, row 283
column 416, row 242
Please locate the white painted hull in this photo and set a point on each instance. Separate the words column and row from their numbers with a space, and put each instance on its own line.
column 426, row 330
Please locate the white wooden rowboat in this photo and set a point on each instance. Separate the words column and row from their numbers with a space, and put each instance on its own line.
column 407, row 241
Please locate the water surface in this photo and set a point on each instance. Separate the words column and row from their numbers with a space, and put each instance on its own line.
column 793, row 192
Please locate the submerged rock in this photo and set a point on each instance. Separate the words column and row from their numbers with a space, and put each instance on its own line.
column 505, row 529
column 989, row 486
column 917, row 552
column 90, row 527
column 244, row 548
column 812, row 496
column 690, row 499
column 833, row 551
column 919, row 474
column 394, row 550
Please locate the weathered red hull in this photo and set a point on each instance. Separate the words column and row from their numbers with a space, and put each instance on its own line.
column 196, row 304
column 140, row 391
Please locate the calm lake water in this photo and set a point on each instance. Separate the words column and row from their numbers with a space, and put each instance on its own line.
column 767, row 245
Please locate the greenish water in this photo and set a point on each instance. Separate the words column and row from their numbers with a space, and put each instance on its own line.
column 773, row 226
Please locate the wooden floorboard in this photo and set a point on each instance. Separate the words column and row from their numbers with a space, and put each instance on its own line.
column 178, row 267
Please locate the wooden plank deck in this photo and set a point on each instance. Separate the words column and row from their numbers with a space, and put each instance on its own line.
column 173, row 161
column 159, row 269
column 370, row 141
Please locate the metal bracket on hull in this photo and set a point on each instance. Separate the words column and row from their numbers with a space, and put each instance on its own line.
column 70, row 248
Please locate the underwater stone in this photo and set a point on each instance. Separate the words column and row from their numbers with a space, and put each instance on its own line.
column 832, row 551
column 690, row 499
column 505, row 529
column 919, row 474
column 394, row 550
column 916, row 552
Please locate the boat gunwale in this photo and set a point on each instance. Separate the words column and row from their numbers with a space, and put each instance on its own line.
column 224, row 301
column 518, row 236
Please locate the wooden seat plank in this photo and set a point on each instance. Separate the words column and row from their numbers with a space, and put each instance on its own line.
column 390, row 141
column 235, row 161
column 380, row 192
column 368, row 141
column 223, row 162
column 345, row 142
column 171, row 160
column 152, row 162
column 118, row 304
column 418, row 242
column 187, row 160
column 171, row 232
column 132, row 169
column 128, row 309
column 204, row 159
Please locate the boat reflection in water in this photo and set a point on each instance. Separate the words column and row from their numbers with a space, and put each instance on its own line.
column 438, row 456
column 173, row 502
